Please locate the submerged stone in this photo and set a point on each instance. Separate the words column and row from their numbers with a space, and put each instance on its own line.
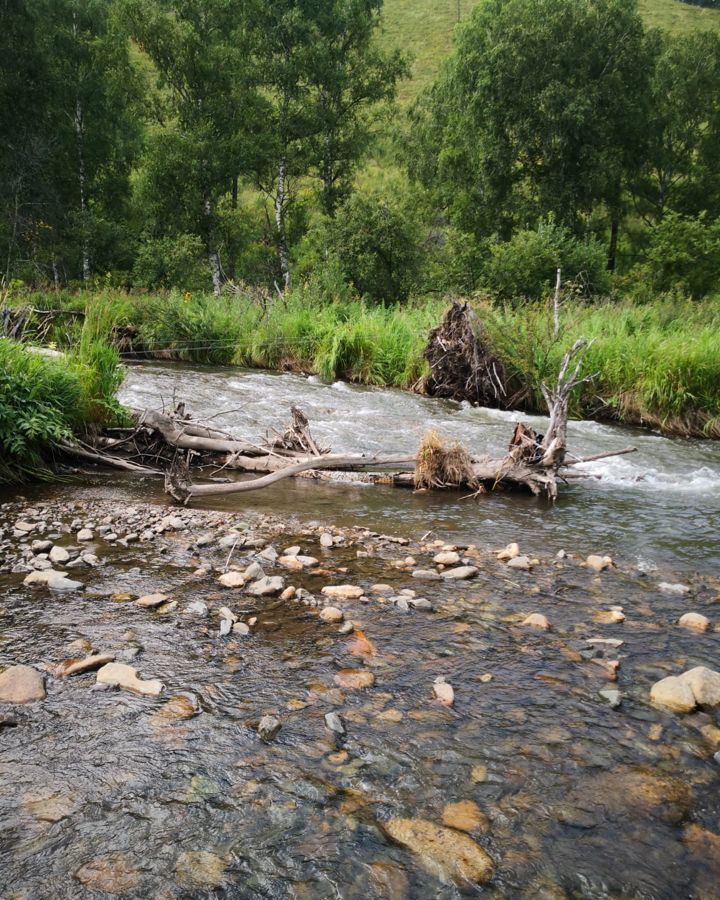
column 21, row 684
column 446, row 853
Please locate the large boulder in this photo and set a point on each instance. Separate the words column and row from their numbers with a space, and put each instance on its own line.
column 21, row 684
column 674, row 694
column 704, row 683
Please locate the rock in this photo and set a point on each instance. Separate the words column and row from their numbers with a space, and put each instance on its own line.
column 149, row 601
column 172, row 523
column 536, row 620
column 84, row 535
column 443, row 691
column 226, row 626
column 226, row 613
column 674, row 694
column 465, row 815
column 460, row 573
column 391, row 715
column 331, row 614
column 121, row 675
column 479, row 774
column 668, row 588
column 81, row 645
column 694, row 621
column 232, row 579
column 334, row 723
column 427, row 574
column 609, row 617
column 447, row 854
column 78, row 666
column 704, row 683
column 25, row 527
column 613, row 643
column 288, row 593
column 292, row 563
column 41, row 546
column 421, row 603
column 268, row 585
column 388, row 881
column 112, row 874
column 197, row 608
column 447, row 558
column 354, row 679
column 614, row 698
column 254, row 571
column 520, row 562
column 269, row 553
column 54, row 580
column 346, row 628
column 326, row 540
column 343, row 591
column 21, row 684
column 241, row 628
column 268, row 727
column 598, row 563
column 510, row 552
column 179, row 707
column 200, row 869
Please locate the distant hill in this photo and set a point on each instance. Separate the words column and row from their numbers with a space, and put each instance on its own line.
column 425, row 27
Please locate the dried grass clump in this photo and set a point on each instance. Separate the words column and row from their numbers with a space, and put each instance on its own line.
column 441, row 466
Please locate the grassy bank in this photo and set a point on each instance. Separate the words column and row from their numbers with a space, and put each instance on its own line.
column 658, row 364
column 45, row 400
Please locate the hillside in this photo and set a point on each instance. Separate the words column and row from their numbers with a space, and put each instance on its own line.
column 425, row 27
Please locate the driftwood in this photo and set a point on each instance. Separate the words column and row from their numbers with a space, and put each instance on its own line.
column 177, row 446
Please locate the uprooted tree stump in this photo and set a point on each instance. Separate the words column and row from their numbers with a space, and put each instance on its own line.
column 461, row 364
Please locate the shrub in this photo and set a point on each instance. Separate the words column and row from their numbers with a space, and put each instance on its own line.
column 376, row 246
column 525, row 266
column 176, row 261
column 684, row 255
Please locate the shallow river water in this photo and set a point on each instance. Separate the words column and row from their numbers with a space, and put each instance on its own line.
column 105, row 793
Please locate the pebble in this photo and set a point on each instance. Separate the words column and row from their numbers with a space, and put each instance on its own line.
column 197, row 608
column 226, row 626
column 694, row 621
column 288, row 593
column 354, row 679
column 268, row 728
column 227, row 614
column 334, row 723
column 465, row 815
column 331, row 614
column 520, row 562
column 343, row 591
column 668, row 588
column 326, row 540
column 41, row 546
column 537, row 620
column 54, row 580
column 427, row 574
column 149, row 601
column 273, row 584
column 510, row 552
column 346, row 628
column 443, row 691
column 447, row 558
column 78, row 666
column 232, row 579
column 598, row 563
column 421, row 603
column 673, row 694
column 241, row 628
column 614, row 698
column 84, row 535
column 460, row 573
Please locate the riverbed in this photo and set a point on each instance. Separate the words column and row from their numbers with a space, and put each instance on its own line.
column 551, row 759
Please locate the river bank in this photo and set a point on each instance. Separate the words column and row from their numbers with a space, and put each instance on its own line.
column 657, row 363
column 545, row 771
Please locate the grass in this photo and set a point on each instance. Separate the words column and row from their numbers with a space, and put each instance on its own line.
column 425, row 29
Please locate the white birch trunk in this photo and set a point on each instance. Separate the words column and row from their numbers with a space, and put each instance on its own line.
column 82, row 174
column 280, row 199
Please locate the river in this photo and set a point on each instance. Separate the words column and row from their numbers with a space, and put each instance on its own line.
column 105, row 793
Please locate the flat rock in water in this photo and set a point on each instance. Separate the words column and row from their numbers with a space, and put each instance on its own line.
column 343, row 591
column 447, row 558
column 21, row 684
column 78, row 666
column 520, row 562
column 112, row 874
column 460, row 573
column 292, row 563
column 465, row 815
column 331, row 614
column 84, row 535
column 354, row 679
column 334, row 723
column 427, row 574
column 446, row 853
column 151, row 600
column 54, row 580
column 668, row 588
column 704, row 683
column 232, row 579
column 121, row 675
column 273, row 584
column 673, row 694
column 694, row 621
